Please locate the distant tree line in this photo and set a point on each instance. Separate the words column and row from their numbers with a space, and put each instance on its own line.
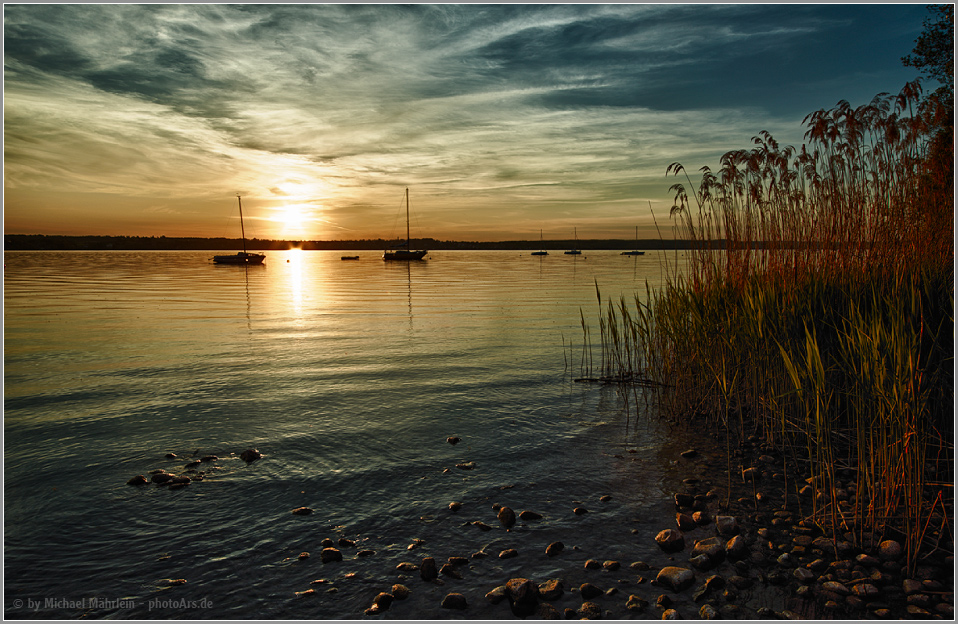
column 41, row 242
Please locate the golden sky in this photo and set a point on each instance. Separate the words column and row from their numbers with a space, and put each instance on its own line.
column 502, row 120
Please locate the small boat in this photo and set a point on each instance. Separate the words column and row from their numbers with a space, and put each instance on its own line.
column 541, row 252
column 634, row 252
column 349, row 258
column 241, row 257
column 395, row 253
column 574, row 251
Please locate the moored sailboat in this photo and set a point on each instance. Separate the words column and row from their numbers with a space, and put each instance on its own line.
column 241, row 257
column 395, row 253
column 574, row 251
column 634, row 252
column 541, row 252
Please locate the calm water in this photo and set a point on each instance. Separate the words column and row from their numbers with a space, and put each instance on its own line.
column 348, row 376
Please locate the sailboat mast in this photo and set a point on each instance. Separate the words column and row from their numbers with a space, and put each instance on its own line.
column 242, row 228
column 408, row 243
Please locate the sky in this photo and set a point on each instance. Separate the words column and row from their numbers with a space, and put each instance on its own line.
column 502, row 120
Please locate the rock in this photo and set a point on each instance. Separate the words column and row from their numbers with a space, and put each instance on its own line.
column 911, row 586
column 454, row 601
column 450, row 570
column 570, row 614
column 548, row 612
column 712, row 584
column 589, row 611
column 639, row 566
column 683, row 500
column 835, row 587
column 752, row 474
column 670, row 540
column 708, row 612
column 508, row 553
column 427, row 569
column 407, row 567
column 365, row 553
column 685, row 522
column 250, row 455
column 580, row 510
column 454, row 440
column 605, row 498
column 671, row 614
column 138, row 480
column 689, row 454
column 530, row 515
column 726, row 525
column 551, row 590
column 458, row 561
column 592, row 564
column 701, row 518
column 209, row 458
column 865, row 591
column 554, row 549
column 383, row 600
column 736, row 548
column 889, row 550
column 675, row 578
column 345, row 542
column 455, row 506
column 507, row 517
column 611, row 565
column 497, row 595
column 522, row 592
column 480, row 554
column 701, row 562
column 469, row 465
column 303, row 555
column 482, row 525
column 712, row 547
column 917, row 612
column 301, row 511
column 400, row 592
column 303, row 594
column 663, row 602
column 803, row 575
column 740, row 582
column 589, row 591
column 634, row 603
column 162, row 477
column 330, row 554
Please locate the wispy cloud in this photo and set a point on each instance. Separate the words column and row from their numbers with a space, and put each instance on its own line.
column 502, row 117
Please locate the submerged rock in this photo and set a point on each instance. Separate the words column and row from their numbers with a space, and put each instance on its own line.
column 138, row 480
column 507, row 517
column 530, row 515
column 670, row 540
column 250, row 455
column 589, row 591
column 302, row 511
column 454, row 601
column 454, row 440
column 330, row 554
column 400, row 592
column 554, row 549
column 162, row 477
column 428, row 570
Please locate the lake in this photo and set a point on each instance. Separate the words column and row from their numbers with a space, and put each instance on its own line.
column 348, row 376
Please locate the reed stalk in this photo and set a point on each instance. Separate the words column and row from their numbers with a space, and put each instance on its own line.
column 817, row 311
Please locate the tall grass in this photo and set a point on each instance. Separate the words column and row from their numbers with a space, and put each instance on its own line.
column 817, row 312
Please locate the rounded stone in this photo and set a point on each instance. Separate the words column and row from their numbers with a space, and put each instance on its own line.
column 330, row 554
column 589, row 611
column 428, row 570
column 508, row 553
column 507, row 517
column 675, row 578
column 670, row 540
column 250, row 455
column 889, row 550
column 530, row 515
column 589, row 591
column 554, row 549
column 400, row 592
column 138, row 480
column 454, row 601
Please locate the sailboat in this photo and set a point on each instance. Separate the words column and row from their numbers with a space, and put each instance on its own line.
column 407, row 253
column 241, row 257
column 634, row 252
column 574, row 251
column 541, row 252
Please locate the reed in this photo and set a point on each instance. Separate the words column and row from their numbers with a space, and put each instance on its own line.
column 817, row 312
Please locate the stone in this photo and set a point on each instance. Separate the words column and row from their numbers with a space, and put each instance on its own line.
column 865, row 591
column 458, row 561
column 639, row 566
column 605, row 498
column 580, row 511
column 345, row 542
column 508, row 553
column 712, row 547
column 663, row 602
column 683, row 500
column 689, row 454
column 482, row 525
column 675, row 578
column 454, row 440
column 497, row 595
column 365, row 553
column 589, row 591
column 708, row 612
column 592, row 564
column 209, row 458
column 589, row 611
column 455, row 506
column 407, row 567
column 803, row 575
column 450, row 570
column 726, row 525
column 507, row 517
column 480, row 554
column 634, row 603
column 671, row 614
column 551, row 590
column 304, row 555
column 554, row 549
column 889, row 550
column 529, row 515
column 701, row 518
column 752, row 474
column 301, row 511
column 701, row 562
column 383, row 600
column 469, row 465
column 454, row 601
column 736, row 548
column 162, row 477
column 428, row 570
column 522, row 592
column 330, row 554
column 548, row 612
column 138, row 480
column 670, row 540
column 685, row 521
column 399, row 591
column 611, row 565
column 250, row 455
column 835, row 587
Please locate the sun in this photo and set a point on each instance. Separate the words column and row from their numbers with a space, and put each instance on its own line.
column 292, row 220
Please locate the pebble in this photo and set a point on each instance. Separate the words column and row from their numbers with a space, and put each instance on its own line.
column 589, row 591
column 507, row 517
column 592, row 564
column 508, row 553
column 611, row 565
column 138, row 480
column 554, row 549
column 634, row 603
column 497, row 595
column 530, row 515
column 675, row 578
column 302, row 511
column 469, row 465
column 580, row 510
column 455, row 506
column 685, row 522
column 670, row 540
column 330, row 554
column 454, row 601
column 450, row 570
column 589, row 611
column 250, row 455
column 551, row 590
